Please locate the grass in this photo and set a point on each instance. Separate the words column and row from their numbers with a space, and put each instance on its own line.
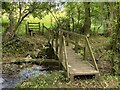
column 21, row 30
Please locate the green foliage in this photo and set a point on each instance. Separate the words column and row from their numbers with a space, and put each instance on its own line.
column 14, row 48
column 17, row 12
column 17, row 46
column 43, row 81
column 4, row 20
column 6, row 6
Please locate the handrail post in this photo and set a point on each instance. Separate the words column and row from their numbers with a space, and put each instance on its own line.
column 85, row 51
column 65, row 54
column 61, row 47
column 49, row 35
column 52, row 37
column 39, row 27
column 76, row 44
column 67, row 43
column 56, row 42
column 26, row 27
column 42, row 28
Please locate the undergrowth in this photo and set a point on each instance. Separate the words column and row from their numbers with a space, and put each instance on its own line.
column 44, row 81
column 58, row 80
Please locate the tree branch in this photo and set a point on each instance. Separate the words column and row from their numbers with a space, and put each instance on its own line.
column 56, row 19
column 19, row 22
column 20, row 13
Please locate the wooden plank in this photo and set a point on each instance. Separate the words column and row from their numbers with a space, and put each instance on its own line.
column 33, row 23
column 33, row 28
column 74, row 64
column 73, row 33
column 77, row 66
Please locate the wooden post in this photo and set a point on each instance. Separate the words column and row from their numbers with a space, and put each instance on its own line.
column 76, row 44
column 52, row 37
column 49, row 36
column 85, row 51
column 61, row 47
column 65, row 54
column 72, row 77
column 26, row 28
column 39, row 27
column 67, row 41
column 56, row 42
column 42, row 28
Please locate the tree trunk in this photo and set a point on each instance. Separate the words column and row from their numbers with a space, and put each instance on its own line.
column 10, row 30
column 87, row 22
column 78, row 17
column 78, row 21
column 73, row 26
column 115, row 43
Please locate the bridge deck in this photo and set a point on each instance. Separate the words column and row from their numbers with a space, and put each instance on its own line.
column 77, row 66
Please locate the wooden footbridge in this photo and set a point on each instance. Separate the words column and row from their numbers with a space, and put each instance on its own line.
column 66, row 46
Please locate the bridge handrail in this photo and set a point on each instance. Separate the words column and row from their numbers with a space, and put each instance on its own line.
column 91, row 53
column 61, row 46
column 87, row 43
column 70, row 32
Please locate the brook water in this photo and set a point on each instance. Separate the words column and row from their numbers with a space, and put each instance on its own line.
column 10, row 81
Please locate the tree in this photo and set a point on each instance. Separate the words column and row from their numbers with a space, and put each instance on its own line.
column 116, row 42
column 77, row 15
column 70, row 11
column 18, row 11
column 87, row 22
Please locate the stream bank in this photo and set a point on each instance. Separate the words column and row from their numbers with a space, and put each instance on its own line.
column 17, row 73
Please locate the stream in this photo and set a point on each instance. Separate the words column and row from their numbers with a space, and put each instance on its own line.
column 10, row 81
